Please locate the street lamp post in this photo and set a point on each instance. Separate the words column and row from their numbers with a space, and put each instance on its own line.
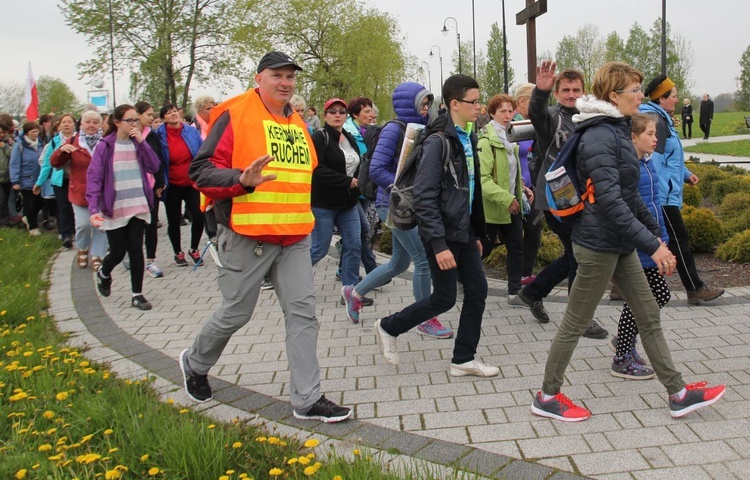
column 458, row 39
column 664, row 37
column 429, row 76
column 112, row 55
column 440, row 56
column 474, row 37
column 505, row 54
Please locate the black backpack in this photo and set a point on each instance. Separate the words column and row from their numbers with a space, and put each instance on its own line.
column 401, row 213
column 367, row 187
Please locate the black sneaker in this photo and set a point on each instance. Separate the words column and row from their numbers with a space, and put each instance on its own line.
column 326, row 411
column 595, row 331
column 196, row 386
column 179, row 260
column 67, row 242
column 140, row 302
column 536, row 307
column 104, row 285
column 266, row 284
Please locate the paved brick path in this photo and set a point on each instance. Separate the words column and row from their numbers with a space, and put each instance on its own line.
column 416, row 408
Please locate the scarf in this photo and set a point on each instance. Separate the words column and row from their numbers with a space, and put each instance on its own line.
column 89, row 141
column 501, row 133
column 33, row 144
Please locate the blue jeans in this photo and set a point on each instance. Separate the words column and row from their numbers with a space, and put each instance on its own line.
column 407, row 247
column 469, row 270
column 368, row 258
column 563, row 267
column 347, row 221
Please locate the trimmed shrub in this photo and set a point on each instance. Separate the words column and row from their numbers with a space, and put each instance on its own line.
column 708, row 173
column 385, row 241
column 497, row 259
column 549, row 250
column 722, row 188
column 704, row 229
column 692, row 196
column 734, row 212
column 736, row 249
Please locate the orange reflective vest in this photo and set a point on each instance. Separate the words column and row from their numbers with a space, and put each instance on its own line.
column 280, row 207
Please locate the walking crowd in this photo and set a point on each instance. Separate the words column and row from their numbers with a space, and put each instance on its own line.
column 270, row 185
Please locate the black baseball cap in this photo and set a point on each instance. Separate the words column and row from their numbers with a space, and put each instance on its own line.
column 276, row 60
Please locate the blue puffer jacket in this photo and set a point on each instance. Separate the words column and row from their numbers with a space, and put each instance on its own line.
column 406, row 98
column 190, row 135
column 669, row 159
column 24, row 164
column 648, row 189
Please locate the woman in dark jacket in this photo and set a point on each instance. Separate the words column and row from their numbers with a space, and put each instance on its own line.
column 335, row 191
column 604, row 241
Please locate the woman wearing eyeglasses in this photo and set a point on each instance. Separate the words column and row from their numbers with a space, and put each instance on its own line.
column 120, row 198
column 335, row 191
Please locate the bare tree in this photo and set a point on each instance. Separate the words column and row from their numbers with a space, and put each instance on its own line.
column 11, row 98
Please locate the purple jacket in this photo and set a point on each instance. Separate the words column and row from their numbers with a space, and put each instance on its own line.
column 100, row 178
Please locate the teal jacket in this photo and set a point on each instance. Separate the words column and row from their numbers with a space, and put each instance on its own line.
column 47, row 168
column 353, row 127
column 495, row 176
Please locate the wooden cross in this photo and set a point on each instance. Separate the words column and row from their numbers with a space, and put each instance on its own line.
column 527, row 17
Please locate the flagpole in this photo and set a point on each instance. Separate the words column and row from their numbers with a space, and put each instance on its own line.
column 112, row 55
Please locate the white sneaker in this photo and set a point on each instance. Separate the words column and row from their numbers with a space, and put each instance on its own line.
column 474, row 367
column 387, row 344
column 153, row 269
column 34, row 232
column 514, row 301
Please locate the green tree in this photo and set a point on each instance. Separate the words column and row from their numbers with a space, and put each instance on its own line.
column 614, row 48
column 585, row 51
column 55, row 96
column 169, row 44
column 641, row 53
column 11, row 98
column 493, row 78
column 346, row 49
column 743, row 94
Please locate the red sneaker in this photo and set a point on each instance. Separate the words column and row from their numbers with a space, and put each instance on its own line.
column 559, row 407
column 527, row 280
column 696, row 396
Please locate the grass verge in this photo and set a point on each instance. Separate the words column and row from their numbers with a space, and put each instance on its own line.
column 737, row 148
column 724, row 123
column 64, row 417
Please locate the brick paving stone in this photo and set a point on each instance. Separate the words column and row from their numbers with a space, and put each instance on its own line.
column 700, row 453
column 609, row 462
column 560, row 445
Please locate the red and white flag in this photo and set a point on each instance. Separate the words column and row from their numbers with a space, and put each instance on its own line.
column 31, row 98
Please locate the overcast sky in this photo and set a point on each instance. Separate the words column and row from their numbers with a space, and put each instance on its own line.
column 718, row 30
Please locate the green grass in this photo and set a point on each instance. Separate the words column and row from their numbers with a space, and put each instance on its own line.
column 724, row 123
column 737, row 148
column 63, row 417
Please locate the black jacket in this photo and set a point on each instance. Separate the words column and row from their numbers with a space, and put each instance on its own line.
column 618, row 221
column 546, row 146
column 330, row 183
column 707, row 111
column 687, row 114
column 441, row 206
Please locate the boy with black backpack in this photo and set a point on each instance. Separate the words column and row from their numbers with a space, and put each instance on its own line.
column 450, row 218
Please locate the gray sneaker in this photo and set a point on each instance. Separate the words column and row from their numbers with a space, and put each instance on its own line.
column 514, row 301
column 629, row 368
column 387, row 343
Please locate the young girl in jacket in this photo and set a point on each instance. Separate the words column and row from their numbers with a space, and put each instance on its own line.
column 75, row 157
column 120, row 198
column 24, row 170
column 627, row 362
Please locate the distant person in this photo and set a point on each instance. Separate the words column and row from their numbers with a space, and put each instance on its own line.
column 687, row 119
column 24, row 170
column 312, row 118
column 450, row 217
column 6, row 146
column 203, row 106
column 605, row 238
column 669, row 159
column 707, row 115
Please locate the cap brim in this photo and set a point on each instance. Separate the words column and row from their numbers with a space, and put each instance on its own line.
column 283, row 64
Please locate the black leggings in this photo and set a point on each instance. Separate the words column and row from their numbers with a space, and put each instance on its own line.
column 31, row 206
column 128, row 239
column 151, row 232
column 173, row 203
column 627, row 330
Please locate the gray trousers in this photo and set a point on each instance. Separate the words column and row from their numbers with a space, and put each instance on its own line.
column 290, row 271
column 594, row 271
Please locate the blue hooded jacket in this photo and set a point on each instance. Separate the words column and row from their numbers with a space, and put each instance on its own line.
column 406, row 99
column 670, row 165
column 648, row 189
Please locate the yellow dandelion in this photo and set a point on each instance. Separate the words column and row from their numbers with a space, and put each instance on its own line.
column 18, row 396
column 28, row 285
column 153, row 471
column 243, row 475
column 273, row 440
column 108, row 431
column 144, row 457
column 356, row 451
column 337, row 477
column 121, row 468
column 21, row 473
column 261, row 439
column 184, row 410
column 224, row 477
column 275, row 472
column 304, row 461
column 230, row 472
column 30, row 318
column 113, row 450
column 2, row 314
column 310, row 471
column 112, row 474
column 35, row 466
column 237, row 445
column 55, row 458
column 51, row 431
column 61, row 396
column 170, row 401
column 211, row 427
column 45, row 448
column 291, row 461
column 312, row 443
column 310, row 455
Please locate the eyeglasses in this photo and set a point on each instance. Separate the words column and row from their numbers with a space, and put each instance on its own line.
column 333, row 111
column 473, row 102
column 638, row 89
column 131, row 121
